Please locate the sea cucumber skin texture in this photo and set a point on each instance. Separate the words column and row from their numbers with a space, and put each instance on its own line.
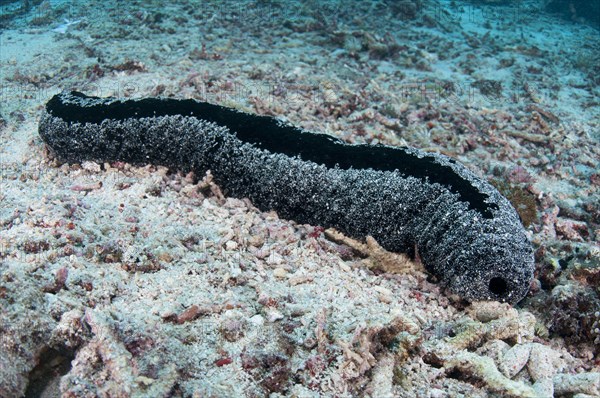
column 478, row 255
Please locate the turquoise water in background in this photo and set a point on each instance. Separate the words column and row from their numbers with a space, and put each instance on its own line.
column 168, row 22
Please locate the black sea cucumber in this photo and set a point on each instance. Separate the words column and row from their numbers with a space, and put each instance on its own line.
column 465, row 232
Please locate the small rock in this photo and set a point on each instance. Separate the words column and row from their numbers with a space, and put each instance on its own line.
column 91, row 166
column 486, row 311
column 257, row 320
column 515, row 359
column 544, row 362
column 494, row 349
column 581, row 383
column 262, row 253
column 232, row 328
column 298, row 278
column 256, row 240
column 385, row 295
column 71, row 330
column 344, row 267
column 274, row 258
column 280, row 273
column 273, row 315
column 571, row 229
column 231, row 245
column 144, row 381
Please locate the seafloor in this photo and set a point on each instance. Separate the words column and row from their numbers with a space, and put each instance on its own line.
column 119, row 281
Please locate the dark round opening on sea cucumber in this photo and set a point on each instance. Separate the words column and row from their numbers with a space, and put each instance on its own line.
column 498, row 286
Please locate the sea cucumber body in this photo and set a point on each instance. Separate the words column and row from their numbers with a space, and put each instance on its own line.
column 465, row 232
